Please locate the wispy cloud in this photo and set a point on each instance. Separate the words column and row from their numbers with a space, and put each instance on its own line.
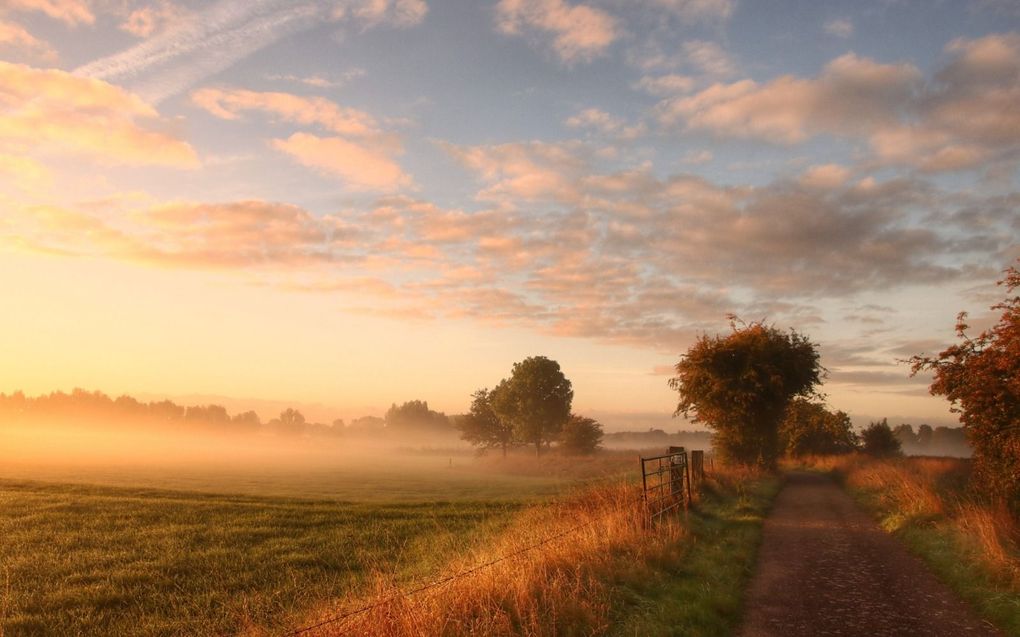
column 214, row 39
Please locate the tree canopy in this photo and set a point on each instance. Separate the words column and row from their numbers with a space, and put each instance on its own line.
column 482, row 427
column 809, row 428
column 740, row 384
column 535, row 401
column 878, row 439
column 980, row 377
column 580, row 435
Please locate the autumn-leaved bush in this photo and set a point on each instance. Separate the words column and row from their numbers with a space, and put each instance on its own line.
column 740, row 386
column 980, row 377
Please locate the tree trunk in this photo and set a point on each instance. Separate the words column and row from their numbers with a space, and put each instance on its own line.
column 504, row 450
column 538, row 448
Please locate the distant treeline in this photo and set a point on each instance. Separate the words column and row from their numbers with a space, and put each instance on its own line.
column 929, row 441
column 94, row 408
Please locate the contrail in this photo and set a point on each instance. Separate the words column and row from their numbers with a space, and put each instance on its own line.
column 203, row 45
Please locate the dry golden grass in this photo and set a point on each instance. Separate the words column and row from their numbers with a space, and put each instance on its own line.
column 558, row 588
column 562, row 587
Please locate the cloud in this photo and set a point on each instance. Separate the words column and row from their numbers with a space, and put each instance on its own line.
column 24, row 172
column 71, row 12
column 621, row 256
column 359, row 152
column 709, row 58
column 827, row 176
column 361, row 166
column 697, row 157
column 319, row 81
column 48, row 110
column 851, row 95
column 839, row 27
column 662, row 85
column 370, row 13
column 218, row 36
column 525, row 171
column 226, row 104
column 960, row 118
column 602, row 122
column 699, row 10
column 189, row 234
column 22, row 44
column 579, row 32
column 145, row 21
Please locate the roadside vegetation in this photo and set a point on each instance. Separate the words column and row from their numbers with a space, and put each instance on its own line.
column 586, row 564
column 971, row 543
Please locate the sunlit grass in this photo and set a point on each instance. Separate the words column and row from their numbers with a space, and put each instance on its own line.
column 106, row 561
column 614, row 575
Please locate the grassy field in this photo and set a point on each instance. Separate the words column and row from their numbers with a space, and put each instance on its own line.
column 215, row 554
column 100, row 560
column 87, row 559
column 973, row 547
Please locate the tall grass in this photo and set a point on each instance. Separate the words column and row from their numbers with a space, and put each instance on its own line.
column 972, row 544
column 578, row 583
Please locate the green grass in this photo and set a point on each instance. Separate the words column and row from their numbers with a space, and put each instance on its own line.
column 698, row 590
column 81, row 560
column 375, row 477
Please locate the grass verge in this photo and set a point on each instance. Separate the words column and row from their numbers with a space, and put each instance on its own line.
column 700, row 593
column 973, row 547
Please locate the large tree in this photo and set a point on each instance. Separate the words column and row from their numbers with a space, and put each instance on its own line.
column 535, row 401
column 980, row 376
column 482, row 427
column 740, row 385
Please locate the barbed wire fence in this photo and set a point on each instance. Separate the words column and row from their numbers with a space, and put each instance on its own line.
column 336, row 621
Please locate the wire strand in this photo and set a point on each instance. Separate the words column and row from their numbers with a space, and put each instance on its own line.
column 439, row 582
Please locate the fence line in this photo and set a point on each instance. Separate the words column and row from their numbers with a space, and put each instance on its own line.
column 445, row 580
column 336, row 619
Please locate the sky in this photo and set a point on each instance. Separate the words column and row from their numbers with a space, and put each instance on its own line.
column 350, row 203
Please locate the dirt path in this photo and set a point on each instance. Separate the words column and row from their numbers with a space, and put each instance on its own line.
column 826, row 568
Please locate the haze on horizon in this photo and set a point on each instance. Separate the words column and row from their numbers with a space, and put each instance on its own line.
column 353, row 203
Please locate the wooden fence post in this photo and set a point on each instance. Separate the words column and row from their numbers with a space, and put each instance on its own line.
column 698, row 464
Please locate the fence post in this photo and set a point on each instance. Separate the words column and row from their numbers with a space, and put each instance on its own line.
column 698, row 465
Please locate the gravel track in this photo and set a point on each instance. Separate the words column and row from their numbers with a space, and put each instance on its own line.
column 826, row 568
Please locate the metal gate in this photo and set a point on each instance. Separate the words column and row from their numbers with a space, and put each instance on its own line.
column 666, row 482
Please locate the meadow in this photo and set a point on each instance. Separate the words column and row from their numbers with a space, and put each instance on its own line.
column 245, row 542
column 195, row 540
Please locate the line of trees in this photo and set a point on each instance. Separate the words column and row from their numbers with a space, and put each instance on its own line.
column 95, row 408
column 532, row 407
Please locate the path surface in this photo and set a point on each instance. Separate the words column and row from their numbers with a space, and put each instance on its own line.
column 826, row 568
